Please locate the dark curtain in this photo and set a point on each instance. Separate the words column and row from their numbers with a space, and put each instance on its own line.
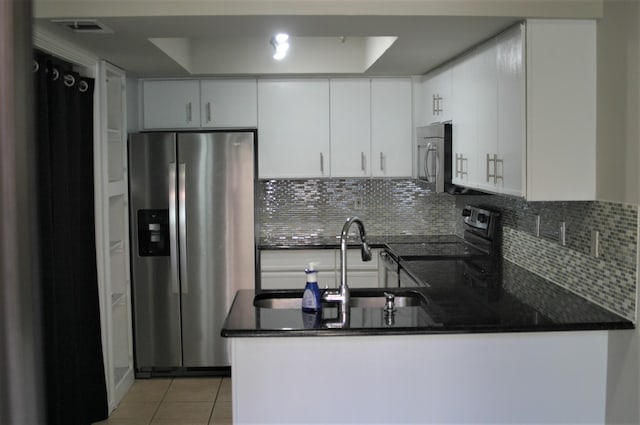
column 74, row 374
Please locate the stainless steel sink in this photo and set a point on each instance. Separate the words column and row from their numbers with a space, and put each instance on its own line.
column 370, row 299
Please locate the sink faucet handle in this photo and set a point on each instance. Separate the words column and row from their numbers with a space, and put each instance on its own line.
column 366, row 252
column 389, row 305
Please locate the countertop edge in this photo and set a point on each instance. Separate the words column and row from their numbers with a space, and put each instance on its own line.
column 449, row 330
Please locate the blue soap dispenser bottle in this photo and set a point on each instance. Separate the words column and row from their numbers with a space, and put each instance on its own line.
column 311, row 296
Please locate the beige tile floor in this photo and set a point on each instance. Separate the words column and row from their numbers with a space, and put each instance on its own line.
column 175, row 401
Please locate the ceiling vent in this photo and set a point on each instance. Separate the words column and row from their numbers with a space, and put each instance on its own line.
column 84, row 25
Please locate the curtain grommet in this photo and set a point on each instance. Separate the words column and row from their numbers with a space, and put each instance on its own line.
column 69, row 80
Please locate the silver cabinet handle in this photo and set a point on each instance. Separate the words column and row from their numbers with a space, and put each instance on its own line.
column 173, row 242
column 381, row 161
column 434, row 105
column 460, row 172
column 496, row 161
column 189, row 112
column 208, row 111
column 363, row 162
column 495, row 176
column 321, row 163
column 182, row 225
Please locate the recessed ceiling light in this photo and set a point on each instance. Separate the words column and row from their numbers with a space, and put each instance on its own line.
column 280, row 43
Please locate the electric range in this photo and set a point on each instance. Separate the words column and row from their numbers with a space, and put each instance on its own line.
column 459, row 274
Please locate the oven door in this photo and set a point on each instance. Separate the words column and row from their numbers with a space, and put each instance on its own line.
column 387, row 271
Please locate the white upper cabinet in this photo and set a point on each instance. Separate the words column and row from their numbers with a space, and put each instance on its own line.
column 561, row 109
column 293, row 122
column 229, row 103
column 350, row 127
column 525, row 125
column 464, row 123
column 436, row 96
column 485, row 100
column 509, row 161
column 171, row 104
column 192, row 104
column 391, row 127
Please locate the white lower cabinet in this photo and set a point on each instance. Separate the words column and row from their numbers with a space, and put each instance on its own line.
column 284, row 269
column 475, row 378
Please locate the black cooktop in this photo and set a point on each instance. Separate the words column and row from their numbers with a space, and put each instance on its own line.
column 453, row 248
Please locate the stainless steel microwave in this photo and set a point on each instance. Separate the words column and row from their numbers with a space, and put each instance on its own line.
column 434, row 158
column 431, row 154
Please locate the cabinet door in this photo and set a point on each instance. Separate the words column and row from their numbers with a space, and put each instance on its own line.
column 436, row 96
column 485, row 99
column 171, row 104
column 284, row 269
column 561, row 109
column 511, row 111
column 293, row 117
column 229, row 103
column 444, row 102
column 427, row 95
column 391, row 127
column 350, row 127
column 464, row 123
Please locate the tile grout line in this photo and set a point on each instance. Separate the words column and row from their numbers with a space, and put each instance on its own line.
column 215, row 400
column 164, row 395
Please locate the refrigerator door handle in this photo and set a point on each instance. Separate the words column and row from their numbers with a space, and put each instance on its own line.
column 173, row 240
column 182, row 220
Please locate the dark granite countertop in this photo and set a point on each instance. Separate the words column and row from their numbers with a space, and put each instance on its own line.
column 511, row 300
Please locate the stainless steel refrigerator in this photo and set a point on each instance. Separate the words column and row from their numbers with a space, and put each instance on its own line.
column 192, row 232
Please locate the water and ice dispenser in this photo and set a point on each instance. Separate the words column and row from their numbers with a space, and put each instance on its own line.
column 153, row 233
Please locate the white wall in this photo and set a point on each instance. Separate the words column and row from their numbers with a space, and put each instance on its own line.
column 618, row 158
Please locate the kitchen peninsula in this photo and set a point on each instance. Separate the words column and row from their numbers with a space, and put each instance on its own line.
column 518, row 350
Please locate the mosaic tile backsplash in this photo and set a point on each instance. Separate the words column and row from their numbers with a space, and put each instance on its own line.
column 608, row 280
column 319, row 207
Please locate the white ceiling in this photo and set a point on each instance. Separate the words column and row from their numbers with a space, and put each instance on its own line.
column 239, row 44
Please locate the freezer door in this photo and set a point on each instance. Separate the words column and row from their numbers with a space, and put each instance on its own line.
column 216, row 216
column 156, row 295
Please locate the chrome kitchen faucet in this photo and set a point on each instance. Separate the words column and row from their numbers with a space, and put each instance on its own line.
column 341, row 295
